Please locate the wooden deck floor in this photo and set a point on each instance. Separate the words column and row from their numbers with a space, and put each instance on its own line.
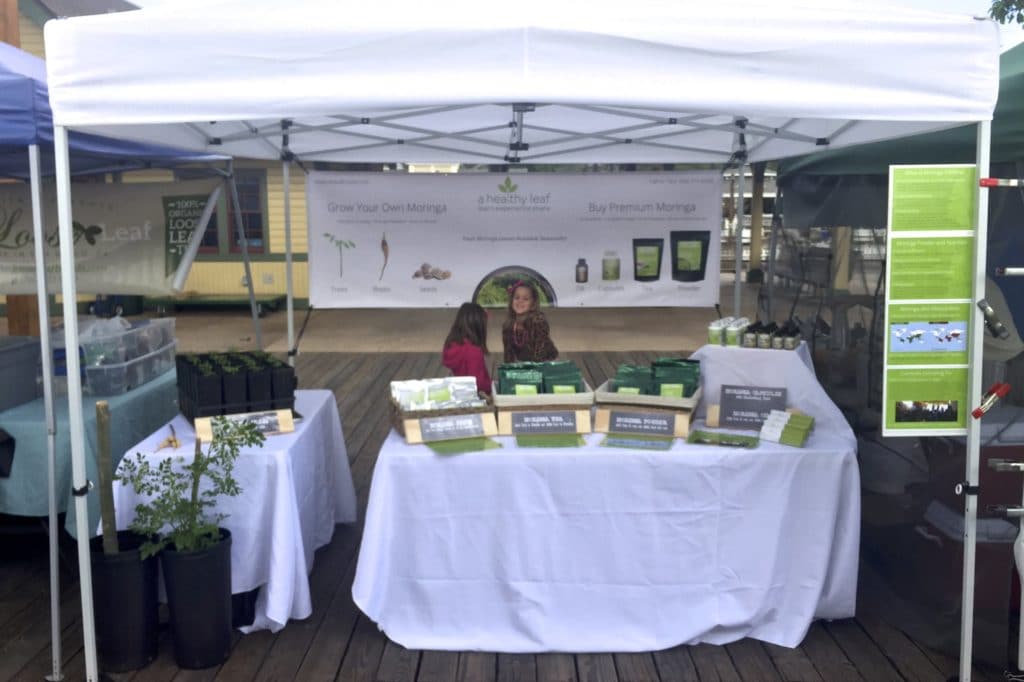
column 338, row 642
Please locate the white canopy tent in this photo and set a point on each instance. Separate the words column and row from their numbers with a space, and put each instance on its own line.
column 538, row 82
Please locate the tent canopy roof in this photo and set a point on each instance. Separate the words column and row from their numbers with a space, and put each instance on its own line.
column 545, row 82
column 950, row 146
column 25, row 119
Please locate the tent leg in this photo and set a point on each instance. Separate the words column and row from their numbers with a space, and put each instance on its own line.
column 80, row 487
column 975, row 347
column 245, row 259
column 35, row 184
column 290, row 302
column 738, row 284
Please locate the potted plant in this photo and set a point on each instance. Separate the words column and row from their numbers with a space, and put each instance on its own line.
column 183, row 526
column 124, row 583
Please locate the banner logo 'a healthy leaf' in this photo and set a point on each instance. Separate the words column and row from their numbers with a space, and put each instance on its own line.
column 508, row 187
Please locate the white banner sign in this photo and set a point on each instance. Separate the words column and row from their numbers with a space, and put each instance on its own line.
column 129, row 238
column 407, row 240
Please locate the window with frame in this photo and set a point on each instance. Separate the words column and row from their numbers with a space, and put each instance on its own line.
column 221, row 236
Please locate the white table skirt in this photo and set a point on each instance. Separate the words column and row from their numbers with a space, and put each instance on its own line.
column 295, row 488
column 607, row 549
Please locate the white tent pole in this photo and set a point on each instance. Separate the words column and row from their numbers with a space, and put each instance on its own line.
column 244, row 243
column 46, row 348
column 738, row 284
column 286, row 168
column 79, row 486
column 975, row 350
column 181, row 274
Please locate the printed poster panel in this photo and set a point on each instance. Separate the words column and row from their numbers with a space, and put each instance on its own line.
column 928, row 309
column 418, row 240
column 128, row 237
column 932, row 198
column 929, row 268
column 927, row 400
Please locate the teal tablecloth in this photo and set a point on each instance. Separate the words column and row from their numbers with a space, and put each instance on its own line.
column 133, row 416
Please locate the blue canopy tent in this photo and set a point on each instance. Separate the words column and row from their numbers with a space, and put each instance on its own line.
column 26, row 153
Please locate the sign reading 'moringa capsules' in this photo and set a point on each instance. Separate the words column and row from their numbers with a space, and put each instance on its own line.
column 746, row 407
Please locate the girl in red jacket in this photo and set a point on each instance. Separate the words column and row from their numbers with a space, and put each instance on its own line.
column 465, row 349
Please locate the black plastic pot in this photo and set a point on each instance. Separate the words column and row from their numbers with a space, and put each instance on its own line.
column 199, row 600
column 260, row 397
column 283, row 387
column 235, row 392
column 124, row 589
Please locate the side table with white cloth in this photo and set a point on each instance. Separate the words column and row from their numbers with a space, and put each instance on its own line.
column 295, row 488
column 610, row 549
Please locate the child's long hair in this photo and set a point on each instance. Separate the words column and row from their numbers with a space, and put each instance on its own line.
column 470, row 325
column 534, row 307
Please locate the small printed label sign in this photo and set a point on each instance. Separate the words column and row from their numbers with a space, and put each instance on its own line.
column 746, row 407
column 650, row 423
column 451, row 427
column 543, row 422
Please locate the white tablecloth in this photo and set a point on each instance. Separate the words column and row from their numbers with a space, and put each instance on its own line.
column 295, row 488
column 607, row 549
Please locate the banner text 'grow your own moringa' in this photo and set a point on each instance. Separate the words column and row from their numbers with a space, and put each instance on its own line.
column 930, row 246
column 409, row 240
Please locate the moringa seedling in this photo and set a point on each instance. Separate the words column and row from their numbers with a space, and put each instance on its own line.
column 341, row 245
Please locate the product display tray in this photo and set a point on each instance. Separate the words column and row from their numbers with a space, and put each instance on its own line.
column 544, row 400
column 604, row 395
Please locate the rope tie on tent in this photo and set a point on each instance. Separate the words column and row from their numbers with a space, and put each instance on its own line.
column 83, row 491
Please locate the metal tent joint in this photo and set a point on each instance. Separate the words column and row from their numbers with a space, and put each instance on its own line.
column 965, row 488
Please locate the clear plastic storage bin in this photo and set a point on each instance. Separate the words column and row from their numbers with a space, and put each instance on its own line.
column 113, row 379
column 117, row 355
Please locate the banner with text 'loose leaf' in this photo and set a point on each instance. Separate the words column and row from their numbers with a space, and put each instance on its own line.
column 129, row 237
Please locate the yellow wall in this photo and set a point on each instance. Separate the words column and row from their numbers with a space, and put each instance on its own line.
column 275, row 209
column 226, row 279
column 31, row 37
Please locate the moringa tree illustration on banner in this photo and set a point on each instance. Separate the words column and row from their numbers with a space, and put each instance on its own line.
column 341, row 245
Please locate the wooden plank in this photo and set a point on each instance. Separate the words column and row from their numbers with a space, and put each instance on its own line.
column 362, row 658
column 398, row 664
column 438, row 666
column 517, row 668
column 289, row 648
column 793, row 664
column 597, row 668
column 713, row 663
column 676, row 664
column 247, row 656
column 25, row 646
column 871, row 663
column 556, row 668
column 636, row 666
column 476, row 666
column 822, row 651
column 908, row 659
column 329, row 645
column 752, row 661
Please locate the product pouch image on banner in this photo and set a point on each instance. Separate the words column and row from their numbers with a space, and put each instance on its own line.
column 437, row 240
